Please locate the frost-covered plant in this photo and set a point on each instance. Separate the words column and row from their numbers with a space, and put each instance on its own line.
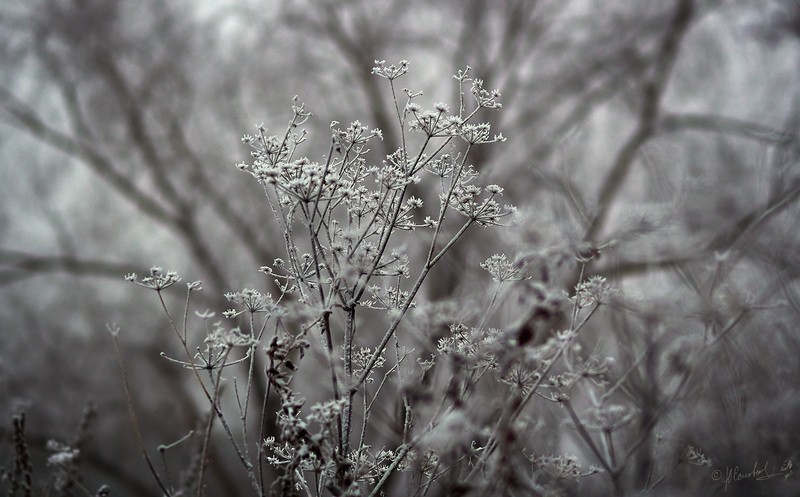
column 342, row 219
column 344, row 313
column 63, row 459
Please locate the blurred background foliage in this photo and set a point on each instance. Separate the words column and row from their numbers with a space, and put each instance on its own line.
column 664, row 131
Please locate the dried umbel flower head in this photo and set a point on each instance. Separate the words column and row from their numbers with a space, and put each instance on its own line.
column 594, row 291
column 251, row 301
column 225, row 338
column 157, row 279
column 391, row 71
column 501, row 269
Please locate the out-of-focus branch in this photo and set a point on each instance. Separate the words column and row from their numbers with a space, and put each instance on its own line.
column 673, row 122
column 69, row 90
column 749, row 222
column 466, row 51
column 359, row 53
column 652, row 91
column 16, row 265
column 220, row 203
column 184, row 223
column 727, row 238
column 789, row 295
column 26, row 118
column 593, row 96
column 137, row 129
column 566, row 188
column 634, row 267
column 519, row 39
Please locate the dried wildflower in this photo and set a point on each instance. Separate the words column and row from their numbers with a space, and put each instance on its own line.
column 426, row 364
column 362, row 356
column 609, row 417
column 695, row 457
column 413, row 107
column 592, row 368
column 561, row 466
column 390, row 72
column 156, row 280
column 476, row 133
column 465, row 198
column 443, row 166
column 500, row 268
column 224, row 338
column 252, row 301
column 485, row 98
column 355, row 134
column 326, row 412
column 387, row 298
column 494, row 190
column 587, row 252
column 594, row 291
column 520, row 377
column 434, row 123
column 471, row 346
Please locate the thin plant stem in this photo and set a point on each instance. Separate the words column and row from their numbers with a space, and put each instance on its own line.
column 132, row 413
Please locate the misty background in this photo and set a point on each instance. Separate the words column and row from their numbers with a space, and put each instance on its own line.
column 664, row 131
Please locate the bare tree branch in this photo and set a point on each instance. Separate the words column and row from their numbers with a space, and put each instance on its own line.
column 673, row 122
column 16, row 265
column 726, row 238
column 24, row 117
column 652, row 91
